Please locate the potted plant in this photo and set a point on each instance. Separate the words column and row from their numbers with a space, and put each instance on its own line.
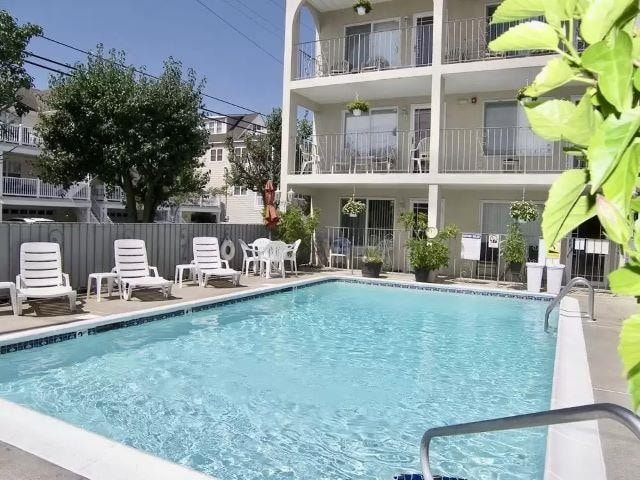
column 428, row 248
column 354, row 207
column 514, row 249
column 523, row 211
column 358, row 107
column 362, row 7
column 371, row 262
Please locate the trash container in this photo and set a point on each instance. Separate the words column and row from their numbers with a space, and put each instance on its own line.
column 534, row 276
column 554, row 278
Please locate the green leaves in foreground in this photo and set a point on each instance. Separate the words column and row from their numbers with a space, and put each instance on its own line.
column 567, row 206
column 555, row 74
column 532, row 35
column 600, row 17
column 629, row 350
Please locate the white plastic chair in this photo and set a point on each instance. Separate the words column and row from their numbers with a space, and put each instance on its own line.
column 249, row 258
column 134, row 271
column 420, row 154
column 291, row 255
column 273, row 256
column 41, row 274
column 310, row 158
column 340, row 248
column 206, row 257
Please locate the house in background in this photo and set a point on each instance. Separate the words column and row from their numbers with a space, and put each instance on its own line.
column 238, row 204
column 444, row 134
column 24, row 195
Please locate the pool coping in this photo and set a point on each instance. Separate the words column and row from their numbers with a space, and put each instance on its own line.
column 41, row 435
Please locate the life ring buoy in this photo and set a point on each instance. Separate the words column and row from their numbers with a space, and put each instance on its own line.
column 227, row 250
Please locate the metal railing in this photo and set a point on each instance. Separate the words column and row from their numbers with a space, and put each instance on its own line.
column 366, row 152
column 500, row 150
column 564, row 292
column 467, row 40
column 202, row 201
column 18, row 134
column 36, row 188
column 367, row 52
column 539, row 419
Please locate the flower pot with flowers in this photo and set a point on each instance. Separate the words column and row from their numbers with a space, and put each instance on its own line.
column 362, row 7
column 371, row 262
column 354, row 207
column 523, row 211
column 358, row 107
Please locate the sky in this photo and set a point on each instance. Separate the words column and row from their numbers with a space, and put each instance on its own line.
column 151, row 30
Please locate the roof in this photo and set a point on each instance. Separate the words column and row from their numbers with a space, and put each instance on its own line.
column 33, row 98
column 238, row 125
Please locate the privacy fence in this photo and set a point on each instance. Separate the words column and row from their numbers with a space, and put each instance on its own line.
column 88, row 247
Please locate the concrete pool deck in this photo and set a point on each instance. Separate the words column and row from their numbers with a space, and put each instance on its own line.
column 619, row 447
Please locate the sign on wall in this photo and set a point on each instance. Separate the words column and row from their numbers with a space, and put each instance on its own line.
column 494, row 240
column 471, row 243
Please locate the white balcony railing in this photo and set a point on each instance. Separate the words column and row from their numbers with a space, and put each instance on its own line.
column 36, row 188
column 366, row 152
column 500, row 150
column 18, row 135
column 367, row 52
column 467, row 40
column 206, row 201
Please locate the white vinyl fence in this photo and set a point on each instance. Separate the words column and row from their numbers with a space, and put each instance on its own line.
column 88, row 247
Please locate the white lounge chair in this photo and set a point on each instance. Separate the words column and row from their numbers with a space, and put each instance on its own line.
column 41, row 274
column 134, row 271
column 291, row 255
column 206, row 257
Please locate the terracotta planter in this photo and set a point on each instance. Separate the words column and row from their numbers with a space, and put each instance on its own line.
column 371, row 270
column 422, row 275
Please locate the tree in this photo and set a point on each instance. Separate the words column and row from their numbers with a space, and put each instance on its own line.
column 143, row 134
column 14, row 39
column 603, row 128
column 261, row 160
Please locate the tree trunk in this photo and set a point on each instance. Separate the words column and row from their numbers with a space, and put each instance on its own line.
column 149, row 209
column 130, row 194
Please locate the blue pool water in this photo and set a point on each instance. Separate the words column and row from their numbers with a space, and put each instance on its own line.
column 333, row 381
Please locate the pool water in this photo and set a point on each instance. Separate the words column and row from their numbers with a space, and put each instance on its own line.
column 332, row 381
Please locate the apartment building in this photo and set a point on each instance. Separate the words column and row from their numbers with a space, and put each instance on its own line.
column 444, row 134
column 24, row 195
column 238, row 204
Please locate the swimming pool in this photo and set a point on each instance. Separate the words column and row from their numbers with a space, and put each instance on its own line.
column 335, row 380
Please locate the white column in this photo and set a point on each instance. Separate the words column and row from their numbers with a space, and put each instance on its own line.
column 434, row 206
column 437, row 87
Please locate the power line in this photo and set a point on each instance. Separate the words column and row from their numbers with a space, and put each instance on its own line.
column 238, row 31
column 89, row 53
column 204, row 109
column 277, row 33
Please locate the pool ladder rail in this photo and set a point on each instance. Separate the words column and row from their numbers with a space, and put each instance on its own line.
column 565, row 291
column 540, row 419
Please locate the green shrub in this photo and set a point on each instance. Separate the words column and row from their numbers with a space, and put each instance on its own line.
column 294, row 225
column 372, row 255
column 514, row 249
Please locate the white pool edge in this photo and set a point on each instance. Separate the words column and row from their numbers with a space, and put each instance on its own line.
column 574, row 449
column 571, row 449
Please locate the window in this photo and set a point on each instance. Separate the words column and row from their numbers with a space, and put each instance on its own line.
column 216, row 126
column 216, row 154
column 507, row 131
column 375, row 225
column 372, row 134
column 424, row 41
column 240, row 151
column 237, row 191
column 373, row 45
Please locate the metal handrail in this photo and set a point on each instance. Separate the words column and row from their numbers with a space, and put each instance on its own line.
column 565, row 290
column 551, row 417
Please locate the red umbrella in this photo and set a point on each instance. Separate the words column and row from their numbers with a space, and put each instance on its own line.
column 270, row 212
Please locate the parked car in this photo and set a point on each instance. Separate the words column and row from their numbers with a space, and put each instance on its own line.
column 29, row 220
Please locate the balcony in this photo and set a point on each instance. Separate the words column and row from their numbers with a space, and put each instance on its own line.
column 366, row 152
column 36, row 188
column 501, row 150
column 203, row 201
column 18, row 135
column 367, row 52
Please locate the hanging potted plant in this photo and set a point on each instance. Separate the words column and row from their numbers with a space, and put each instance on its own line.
column 358, row 107
column 362, row 7
column 371, row 263
column 523, row 211
column 428, row 248
column 514, row 249
column 353, row 207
